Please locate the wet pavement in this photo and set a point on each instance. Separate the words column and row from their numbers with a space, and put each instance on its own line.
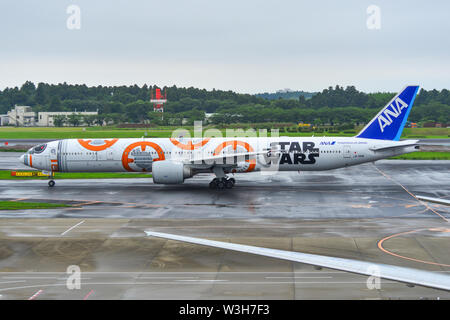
column 363, row 212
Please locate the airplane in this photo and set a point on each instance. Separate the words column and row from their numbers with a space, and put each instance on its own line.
column 172, row 160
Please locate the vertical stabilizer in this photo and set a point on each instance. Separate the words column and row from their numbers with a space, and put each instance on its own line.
column 388, row 124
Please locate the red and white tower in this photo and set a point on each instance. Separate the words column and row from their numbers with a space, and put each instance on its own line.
column 158, row 100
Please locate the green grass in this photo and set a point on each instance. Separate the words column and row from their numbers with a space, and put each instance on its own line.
column 6, row 175
column 315, row 134
column 430, row 133
column 424, row 155
column 16, row 205
column 73, row 133
column 166, row 132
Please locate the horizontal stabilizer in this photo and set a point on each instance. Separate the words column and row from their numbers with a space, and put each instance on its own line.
column 406, row 143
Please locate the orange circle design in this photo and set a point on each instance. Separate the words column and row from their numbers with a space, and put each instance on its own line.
column 86, row 144
column 234, row 144
column 143, row 144
column 189, row 145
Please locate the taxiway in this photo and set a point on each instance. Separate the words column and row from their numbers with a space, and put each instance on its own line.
column 363, row 212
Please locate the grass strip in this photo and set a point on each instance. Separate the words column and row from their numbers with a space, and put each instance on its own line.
column 424, row 155
column 57, row 133
column 17, row 205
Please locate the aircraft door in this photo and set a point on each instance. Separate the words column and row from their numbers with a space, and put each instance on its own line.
column 347, row 151
column 52, row 159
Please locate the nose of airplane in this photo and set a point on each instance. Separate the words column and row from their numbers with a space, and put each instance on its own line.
column 22, row 158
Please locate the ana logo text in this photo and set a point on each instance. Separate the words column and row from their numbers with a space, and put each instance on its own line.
column 384, row 119
column 327, row 143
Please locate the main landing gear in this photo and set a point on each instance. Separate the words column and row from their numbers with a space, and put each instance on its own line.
column 222, row 183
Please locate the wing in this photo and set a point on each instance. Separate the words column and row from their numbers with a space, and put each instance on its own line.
column 401, row 274
column 435, row 200
column 226, row 159
column 231, row 159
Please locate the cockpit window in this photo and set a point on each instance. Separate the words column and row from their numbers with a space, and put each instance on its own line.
column 38, row 149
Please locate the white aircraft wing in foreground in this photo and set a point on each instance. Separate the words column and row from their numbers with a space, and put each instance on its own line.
column 401, row 274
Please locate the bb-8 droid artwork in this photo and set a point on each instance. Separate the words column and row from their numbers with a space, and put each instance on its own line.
column 139, row 156
column 230, row 147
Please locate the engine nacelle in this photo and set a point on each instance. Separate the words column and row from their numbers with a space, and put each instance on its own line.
column 170, row 172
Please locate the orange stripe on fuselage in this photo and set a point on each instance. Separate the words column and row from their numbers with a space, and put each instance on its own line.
column 86, row 144
column 189, row 145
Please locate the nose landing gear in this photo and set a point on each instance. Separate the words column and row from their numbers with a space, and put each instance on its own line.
column 51, row 182
column 222, row 183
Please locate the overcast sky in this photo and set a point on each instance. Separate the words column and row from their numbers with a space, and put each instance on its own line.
column 245, row 46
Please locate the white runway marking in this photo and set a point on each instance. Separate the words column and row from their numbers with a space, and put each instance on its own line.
column 29, row 277
column 199, row 280
column 179, row 272
column 298, row 277
column 166, row 277
column 158, row 213
column 384, row 282
column 73, row 227
column 12, row 281
column 34, row 296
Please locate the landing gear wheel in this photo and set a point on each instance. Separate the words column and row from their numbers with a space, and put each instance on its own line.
column 220, row 185
column 229, row 184
column 51, row 183
column 213, row 184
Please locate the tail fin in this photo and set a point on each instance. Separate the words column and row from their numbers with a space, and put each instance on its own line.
column 388, row 124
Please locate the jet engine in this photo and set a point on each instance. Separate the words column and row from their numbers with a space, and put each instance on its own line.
column 170, row 172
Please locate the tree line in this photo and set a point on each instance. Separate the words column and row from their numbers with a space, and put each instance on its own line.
column 119, row 104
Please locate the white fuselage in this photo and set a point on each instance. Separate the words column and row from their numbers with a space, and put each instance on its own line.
column 137, row 155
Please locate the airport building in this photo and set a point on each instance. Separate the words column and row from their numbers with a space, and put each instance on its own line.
column 46, row 119
column 4, row 120
column 24, row 116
